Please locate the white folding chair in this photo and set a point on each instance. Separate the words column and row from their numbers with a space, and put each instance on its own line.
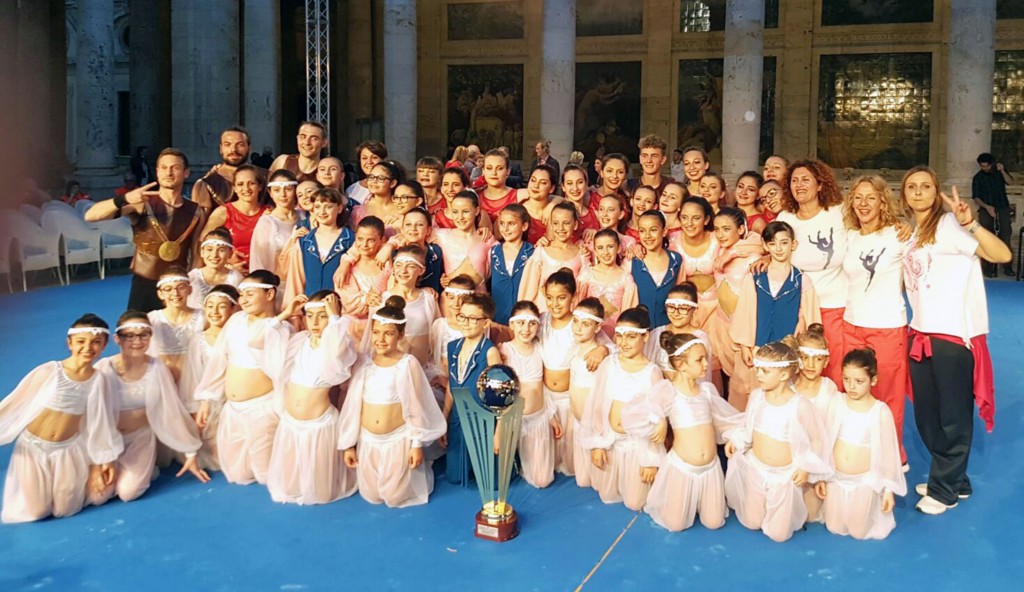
column 79, row 243
column 83, row 206
column 32, row 248
column 5, row 260
column 116, row 239
column 32, row 212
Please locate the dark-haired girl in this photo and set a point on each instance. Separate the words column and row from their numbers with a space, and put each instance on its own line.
column 625, row 457
column 65, row 433
column 240, row 370
column 560, row 253
column 311, row 262
column 658, row 270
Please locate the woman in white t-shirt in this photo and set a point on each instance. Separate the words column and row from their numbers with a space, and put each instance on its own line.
column 811, row 204
column 876, row 316
column 949, row 359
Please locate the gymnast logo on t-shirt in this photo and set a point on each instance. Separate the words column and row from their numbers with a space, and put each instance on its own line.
column 825, row 245
column 870, row 261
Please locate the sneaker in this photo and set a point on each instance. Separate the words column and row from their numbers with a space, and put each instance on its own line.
column 933, row 507
column 922, row 490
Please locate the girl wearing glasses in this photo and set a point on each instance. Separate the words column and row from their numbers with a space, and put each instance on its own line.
column 64, row 431
column 680, row 308
column 468, row 357
column 384, row 178
column 176, row 323
column 144, row 399
column 625, row 455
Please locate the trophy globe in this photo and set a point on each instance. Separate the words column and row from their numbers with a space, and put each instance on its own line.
column 498, row 388
column 494, row 406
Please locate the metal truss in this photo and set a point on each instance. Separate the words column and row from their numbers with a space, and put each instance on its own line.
column 318, row 62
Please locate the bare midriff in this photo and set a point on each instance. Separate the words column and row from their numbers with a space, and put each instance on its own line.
column 54, row 426
column 382, row 419
column 242, row 384
column 772, row 452
column 533, row 396
column 556, row 380
column 132, row 419
column 695, row 445
column 305, row 403
column 851, row 458
column 419, row 348
column 615, row 417
column 578, row 400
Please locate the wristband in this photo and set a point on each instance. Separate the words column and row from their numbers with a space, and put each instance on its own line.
column 973, row 227
column 120, row 201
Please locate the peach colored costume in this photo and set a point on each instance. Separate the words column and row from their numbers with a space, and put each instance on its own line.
column 167, row 420
column 49, row 478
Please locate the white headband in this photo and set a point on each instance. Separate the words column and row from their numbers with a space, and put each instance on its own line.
column 586, row 316
column 386, row 320
column 458, row 291
column 680, row 302
column 133, row 325
column 760, row 363
column 93, row 330
column 524, row 316
column 813, row 351
column 249, row 285
column 314, row 305
column 216, row 242
column 282, row 183
column 409, row 259
column 633, row 330
column 224, row 295
column 682, row 348
column 171, row 279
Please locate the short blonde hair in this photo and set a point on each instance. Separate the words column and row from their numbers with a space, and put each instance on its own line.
column 892, row 209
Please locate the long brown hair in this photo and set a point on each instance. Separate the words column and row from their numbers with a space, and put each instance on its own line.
column 828, row 190
column 926, row 229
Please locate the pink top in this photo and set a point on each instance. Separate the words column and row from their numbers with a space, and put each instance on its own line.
column 454, row 253
column 539, row 268
column 616, row 297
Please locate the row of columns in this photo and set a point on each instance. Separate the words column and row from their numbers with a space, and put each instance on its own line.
column 205, row 40
column 220, row 66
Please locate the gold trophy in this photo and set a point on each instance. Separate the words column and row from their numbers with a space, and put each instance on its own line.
column 494, row 405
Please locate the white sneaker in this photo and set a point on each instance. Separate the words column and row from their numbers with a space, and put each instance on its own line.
column 930, row 505
column 922, row 490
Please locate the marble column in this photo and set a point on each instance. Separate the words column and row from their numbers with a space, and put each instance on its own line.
column 95, row 96
column 558, row 77
column 263, row 73
column 146, row 76
column 400, row 80
column 970, row 71
column 205, row 85
column 741, row 87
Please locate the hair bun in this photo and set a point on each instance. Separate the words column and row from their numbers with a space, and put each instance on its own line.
column 816, row 329
column 395, row 302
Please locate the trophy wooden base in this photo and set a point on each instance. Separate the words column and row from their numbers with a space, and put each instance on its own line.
column 497, row 530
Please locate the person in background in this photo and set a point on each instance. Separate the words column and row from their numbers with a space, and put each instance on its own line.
column 73, row 193
column 989, row 191
column 543, row 152
column 677, row 171
column 140, row 166
column 129, row 184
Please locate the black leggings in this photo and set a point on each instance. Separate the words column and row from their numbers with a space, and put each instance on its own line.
column 944, row 414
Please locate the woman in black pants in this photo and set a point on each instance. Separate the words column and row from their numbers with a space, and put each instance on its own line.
column 950, row 367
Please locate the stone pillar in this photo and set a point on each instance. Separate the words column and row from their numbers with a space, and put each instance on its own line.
column 400, row 80
column 263, row 73
column 149, row 89
column 742, row 85
column 94, row 82
column 558, row 78
column 796, row 121
column 205, row 85
column 971, row 68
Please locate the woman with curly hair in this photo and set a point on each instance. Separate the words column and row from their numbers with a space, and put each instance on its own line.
column 875, row 315
column 811, row 204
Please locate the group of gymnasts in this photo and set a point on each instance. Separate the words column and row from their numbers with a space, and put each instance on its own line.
column 650, row 323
